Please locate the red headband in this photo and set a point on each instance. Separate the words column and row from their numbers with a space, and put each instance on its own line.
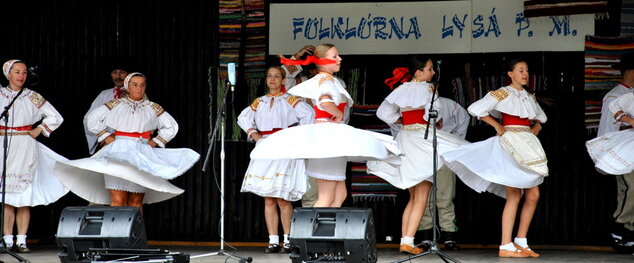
column 401, row 75
column 308, row 60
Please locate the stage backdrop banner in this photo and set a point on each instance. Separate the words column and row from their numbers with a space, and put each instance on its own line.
column 423, row 27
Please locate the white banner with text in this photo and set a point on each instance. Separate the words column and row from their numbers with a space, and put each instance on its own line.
column 423, row 27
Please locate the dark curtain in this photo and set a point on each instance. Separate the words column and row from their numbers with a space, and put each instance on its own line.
column 175, row 45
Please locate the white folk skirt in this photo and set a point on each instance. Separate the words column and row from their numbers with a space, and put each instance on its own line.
column 417, row 162
column 487, row 166
column 285, row 179
column 612, row 153
column 132, row 162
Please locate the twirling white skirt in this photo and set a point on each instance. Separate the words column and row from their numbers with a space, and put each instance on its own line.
column 132, row 161
column 487, row 166
column 44, row 187
column 612, row 152
column 284, row 179
column 417, row 163
column 327, row 140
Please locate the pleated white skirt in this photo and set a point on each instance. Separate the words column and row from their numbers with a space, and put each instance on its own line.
column 612, row 153
column 131, row 161
column 486, row 166
column 417, row 161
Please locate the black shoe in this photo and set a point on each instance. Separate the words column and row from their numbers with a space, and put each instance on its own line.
column 622, row 241
column 451, row 245
column 286, row 248
column 449, row 239
column 425, row 245
column 21, row 248
column 272, row 248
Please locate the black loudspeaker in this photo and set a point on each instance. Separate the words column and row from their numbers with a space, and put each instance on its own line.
column 85, row 227
column 333, row 235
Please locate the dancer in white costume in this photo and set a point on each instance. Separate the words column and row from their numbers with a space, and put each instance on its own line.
column 30, row 179
column 511, row 162
column 280, row 182
column 612, row 152
column 129, row 170
column 409, row 105
column 118, row 73
column 328, row 143
column 622, row 229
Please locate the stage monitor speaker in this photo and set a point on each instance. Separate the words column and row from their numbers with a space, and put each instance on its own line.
column 85, row 227
column 333, row 235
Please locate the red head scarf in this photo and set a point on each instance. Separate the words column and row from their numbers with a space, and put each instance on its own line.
column 308, row 60
column 401, row 75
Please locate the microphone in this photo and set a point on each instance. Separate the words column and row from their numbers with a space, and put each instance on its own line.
column 231, row 69
column 438, row 63
column 34, row 78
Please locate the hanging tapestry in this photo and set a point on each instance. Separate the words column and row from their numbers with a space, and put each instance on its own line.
column 535, row 8
column 601, row 54
column 242, row 36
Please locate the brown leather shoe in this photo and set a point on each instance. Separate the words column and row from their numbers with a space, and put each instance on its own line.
column 405, row 248
column 527, row 251
column 512, row 254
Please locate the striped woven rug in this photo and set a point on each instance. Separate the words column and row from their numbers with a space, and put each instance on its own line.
column 601, row 54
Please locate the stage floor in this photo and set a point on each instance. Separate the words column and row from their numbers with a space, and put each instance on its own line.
column 48, row 254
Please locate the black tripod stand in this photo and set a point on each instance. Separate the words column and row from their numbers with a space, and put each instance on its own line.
column 220, row 122
column 5, row 148
column 433, row 249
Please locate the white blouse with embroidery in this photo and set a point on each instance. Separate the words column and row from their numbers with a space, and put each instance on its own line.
column 127, row 115
column 28, row 109
column 408, row 96
column 510, row 101
column 277, row 111
column 624, row 104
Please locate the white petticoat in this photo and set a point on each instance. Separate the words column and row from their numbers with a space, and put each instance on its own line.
column 129, row 160
column 327, row 140
column 45, row 188
column 331, row 169
column 284, row 179
column 612, row 152
column 486, row 166
column 417, row 163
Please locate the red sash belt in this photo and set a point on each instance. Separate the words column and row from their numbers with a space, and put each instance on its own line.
column 21, row 128
column 413, row 117
column 144, row 135
column 321, row 114
column 270, row 132
column 514, row 120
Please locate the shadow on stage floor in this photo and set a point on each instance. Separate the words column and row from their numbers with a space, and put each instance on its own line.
column 48, row 254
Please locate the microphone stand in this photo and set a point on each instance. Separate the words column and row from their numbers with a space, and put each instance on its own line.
column 5, row 148
column 220, row 121
column 433, row 249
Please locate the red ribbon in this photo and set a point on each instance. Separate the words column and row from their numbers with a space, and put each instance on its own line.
column 117, row 92
column 308, row 60
column 283, row 89
column 401, row 75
